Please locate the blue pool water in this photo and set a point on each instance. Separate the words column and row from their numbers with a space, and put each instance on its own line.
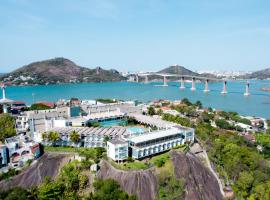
column 136, row 130
column 257, row 104
column 117, row 122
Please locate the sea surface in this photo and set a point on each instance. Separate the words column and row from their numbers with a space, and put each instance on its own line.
column 257, row 104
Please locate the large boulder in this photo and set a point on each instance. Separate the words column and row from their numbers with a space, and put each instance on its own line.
column 200, row 183
column 141, row 183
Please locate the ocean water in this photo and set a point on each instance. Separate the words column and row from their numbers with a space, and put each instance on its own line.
column 257, row 104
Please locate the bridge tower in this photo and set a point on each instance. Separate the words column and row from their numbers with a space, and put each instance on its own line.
column 165, row 81
column 193, row 87
column 247, row 92
column 224, row 91
column 206, row 87
column 137, row 78
column 146, row 79
column 182, row 82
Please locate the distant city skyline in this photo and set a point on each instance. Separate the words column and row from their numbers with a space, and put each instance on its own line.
column 137, row 35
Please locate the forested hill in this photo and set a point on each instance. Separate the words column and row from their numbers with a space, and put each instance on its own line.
column 59, row 70
column 177, row 69
column 261, row 74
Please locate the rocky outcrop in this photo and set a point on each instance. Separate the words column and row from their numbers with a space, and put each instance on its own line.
column 200, row 184
column 48, row 165
column 141, row 183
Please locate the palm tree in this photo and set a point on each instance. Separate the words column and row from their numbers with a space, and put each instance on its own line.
column 74, row 137
column 151, row 111
column 53, row 137
column 106, row 139
column 44, row 136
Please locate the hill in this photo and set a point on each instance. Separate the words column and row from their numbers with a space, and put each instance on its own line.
column 48, row 165
column 59, row 70
column 145, row 184
column 261, row 74
column 180, row 70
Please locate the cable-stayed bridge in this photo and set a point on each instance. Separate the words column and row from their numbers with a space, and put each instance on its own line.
column 182, row 79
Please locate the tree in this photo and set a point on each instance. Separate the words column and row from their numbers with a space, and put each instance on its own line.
column 222, row 123
column 244, row 183
column 268, row 122
column 39, row 106
column 7, row 124
column 151, row 111
column 93, row 124
column 14, row 194
column 206, row 117
column 109, row 190
column 159, row 112
column 51, row 190
column 186, row 101
column 204, row 131
column 44, row 136
column 53, row 137
column 106, row 139
column 83, row 181
column 171, row 188
column 198, row 104
column 177, row 119
column 33, row 193
column 74, row 137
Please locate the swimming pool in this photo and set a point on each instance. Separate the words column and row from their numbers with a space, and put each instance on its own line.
column 115, row 122
column 136, row 130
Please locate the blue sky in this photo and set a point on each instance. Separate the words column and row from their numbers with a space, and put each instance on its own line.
column 137, row 34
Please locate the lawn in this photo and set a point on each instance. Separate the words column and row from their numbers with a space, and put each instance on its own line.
column 60, row 149
column 160, row 160
column 135, row 165
column 90, row 153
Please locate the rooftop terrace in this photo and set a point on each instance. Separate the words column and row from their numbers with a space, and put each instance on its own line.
column 156, row 135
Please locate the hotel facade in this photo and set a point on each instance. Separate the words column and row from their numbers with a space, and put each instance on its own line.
column 148, row 144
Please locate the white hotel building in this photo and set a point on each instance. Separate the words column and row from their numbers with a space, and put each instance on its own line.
column 141, row 146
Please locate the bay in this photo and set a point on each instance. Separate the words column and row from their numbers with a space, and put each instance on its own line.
column 257, row 104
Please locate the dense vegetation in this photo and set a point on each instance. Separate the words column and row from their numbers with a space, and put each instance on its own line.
column 263, row 139
column 237, row 161
column 106, row 101
column 234, row 116
column 108, row 190
column 169, row 186
column 151, row 111
column 177, row 119
column 39, row 106
column 8, row 174
column 7, row 127
column 72, row 183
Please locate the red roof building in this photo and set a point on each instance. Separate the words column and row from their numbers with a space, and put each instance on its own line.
column 46, row 103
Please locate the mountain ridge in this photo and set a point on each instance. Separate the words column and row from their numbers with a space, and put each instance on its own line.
column 59, row 70
column 177, row 69
column 260, row 74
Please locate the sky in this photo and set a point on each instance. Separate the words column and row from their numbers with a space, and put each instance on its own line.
column 137, row 35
